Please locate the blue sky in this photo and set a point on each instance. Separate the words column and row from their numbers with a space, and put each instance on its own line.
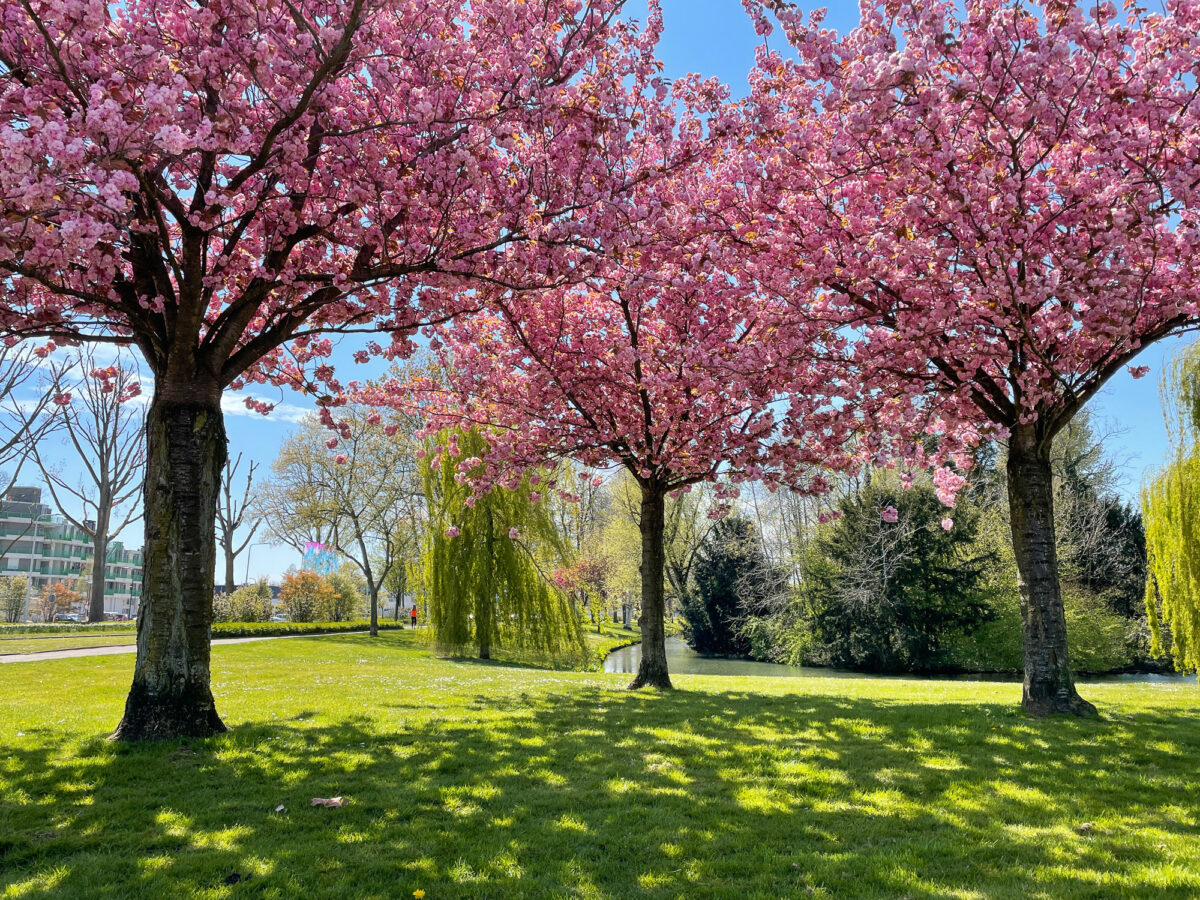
column 714, row 37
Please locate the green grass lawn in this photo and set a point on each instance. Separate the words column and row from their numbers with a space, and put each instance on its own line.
column 468, row 779
column 65, row 642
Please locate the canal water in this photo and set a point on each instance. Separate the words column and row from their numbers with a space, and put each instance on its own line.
column 682, row 660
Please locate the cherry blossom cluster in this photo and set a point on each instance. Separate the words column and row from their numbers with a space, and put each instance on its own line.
column 999, row 199
column 225, row 183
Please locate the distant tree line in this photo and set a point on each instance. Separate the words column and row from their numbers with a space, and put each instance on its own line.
column 884, row 578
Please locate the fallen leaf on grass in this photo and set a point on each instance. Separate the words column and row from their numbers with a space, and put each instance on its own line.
column 281, row 808
column 1084, row 828
column 328, row 801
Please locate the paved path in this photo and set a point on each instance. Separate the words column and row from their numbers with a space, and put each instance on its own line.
column 132, row 648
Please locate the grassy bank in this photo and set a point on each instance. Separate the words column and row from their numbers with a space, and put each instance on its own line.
column 468, row 779
column 44, row 643
column 41, row 638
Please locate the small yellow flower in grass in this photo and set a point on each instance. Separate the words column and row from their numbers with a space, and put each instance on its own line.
column 418, row 893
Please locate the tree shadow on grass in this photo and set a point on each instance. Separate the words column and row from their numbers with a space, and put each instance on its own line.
column 602, row 793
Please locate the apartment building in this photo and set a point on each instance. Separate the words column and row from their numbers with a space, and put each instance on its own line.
column 46, row 549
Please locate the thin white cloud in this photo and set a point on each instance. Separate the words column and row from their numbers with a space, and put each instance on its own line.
column 234, row 404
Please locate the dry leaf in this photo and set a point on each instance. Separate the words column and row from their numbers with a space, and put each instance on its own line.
column 328, row 801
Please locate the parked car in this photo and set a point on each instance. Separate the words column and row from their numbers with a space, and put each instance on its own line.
column 279, row 617
column 66, row 617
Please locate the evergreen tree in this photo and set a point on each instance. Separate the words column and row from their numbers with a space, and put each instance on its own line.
column 732, row 579
column 891, row 578
column 486, row 558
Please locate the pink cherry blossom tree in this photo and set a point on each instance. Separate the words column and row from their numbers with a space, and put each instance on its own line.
column 1003, row 197
column 665, row 361
column 224, row 184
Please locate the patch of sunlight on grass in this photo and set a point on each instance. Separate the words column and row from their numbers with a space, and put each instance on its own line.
column 506, row 866
column 173, row 823
column 462, row 872
column 764, row 800
column 224, row 839
column 571, row 822
column 39, row 883
column 942, row 763
column 151, row 864
column 620, row 786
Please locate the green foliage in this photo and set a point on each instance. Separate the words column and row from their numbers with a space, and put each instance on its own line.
column 1099, row 640
column 732, row 580
column 345, row 600
column 13, row 591
column 1171, row 506
column 272, row 629
column 250, row 603
column 66, row 627
column 484, row 588
column 883, row 595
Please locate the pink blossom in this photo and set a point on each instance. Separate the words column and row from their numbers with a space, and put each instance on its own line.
column 947, row 524
column 514, row 533
column 889, row 514
column 452, row 531
column 341, row 459
column 1139, row 371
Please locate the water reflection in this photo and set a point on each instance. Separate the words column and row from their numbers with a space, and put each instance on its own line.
column 681, row 660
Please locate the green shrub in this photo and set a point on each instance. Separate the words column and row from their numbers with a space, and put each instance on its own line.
column 250, row 603
column 67, row 628
column 1099, row 640
column 219, row 629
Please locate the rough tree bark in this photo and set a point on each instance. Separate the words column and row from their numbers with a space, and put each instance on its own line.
column 170, row 696
column 652, row 670
column 1049, row 686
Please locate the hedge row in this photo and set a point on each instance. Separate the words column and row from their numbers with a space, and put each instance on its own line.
column 67, row 628
column 219, row 629
column 272, row 629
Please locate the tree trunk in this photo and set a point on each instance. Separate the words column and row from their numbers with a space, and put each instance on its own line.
column 374, row 611
column 230, row 580
column 652, row 670
column 1049, row 688
column 170, row 696
column 96, row 592
column 485, row 601
column 483, row 628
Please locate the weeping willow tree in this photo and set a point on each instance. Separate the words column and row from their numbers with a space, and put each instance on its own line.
column 1171, row 508
column 486, row 562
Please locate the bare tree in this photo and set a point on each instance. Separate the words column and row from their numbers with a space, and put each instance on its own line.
column 23, row 423
column 358, row 494
column 232, row 513
column 105, row 428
